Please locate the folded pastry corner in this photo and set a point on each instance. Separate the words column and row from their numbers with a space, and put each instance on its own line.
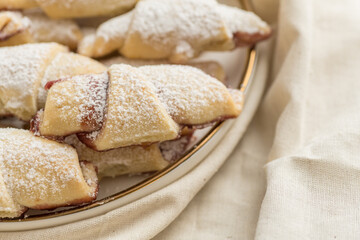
column 107, row 38
column 14, row 29
column 77, row 103
column 128, row 106
column 248, row 27
column 177, row 30
column 238, row 98
column 38, row 173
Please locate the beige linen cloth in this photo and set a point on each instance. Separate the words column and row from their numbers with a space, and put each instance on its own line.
column 296, row 172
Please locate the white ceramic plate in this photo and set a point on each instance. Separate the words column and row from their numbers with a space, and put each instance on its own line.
column 116, row 192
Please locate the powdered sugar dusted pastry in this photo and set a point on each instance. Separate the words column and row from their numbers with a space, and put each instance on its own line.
column 19, row 28
column 41, row 174
column 26, row 68
column 211, row 68
column 175, row 29
column 84, row 8
column 141, row 105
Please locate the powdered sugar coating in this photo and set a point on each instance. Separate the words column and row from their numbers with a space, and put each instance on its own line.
column 108, row 37
column 134, row 114
column 87, row 95
column 177, row 30
column 12, row 23
column 21, row 70
column 189, row 95
column 175, row 27
column 238, row 20
column 39, row 172
column 93, row 100
column 87, row 43
column 65, row 65
column 45, row 29
column 181, row 24
column 114, row 27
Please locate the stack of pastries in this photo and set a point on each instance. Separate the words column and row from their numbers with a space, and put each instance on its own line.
column 132, row 112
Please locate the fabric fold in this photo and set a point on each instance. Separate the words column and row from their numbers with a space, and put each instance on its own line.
column 313, row 170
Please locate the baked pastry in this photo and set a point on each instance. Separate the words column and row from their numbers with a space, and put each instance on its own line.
column 177, row 30
column 14, row 29
column 211, row 68
column 173, row 150
column 17, row 4
column 133, row 159
column 25, row 69
column 134, row 106
column 45, row 29
column 9, row 122
column 33, row 26
column 120, row 161
column 83, row 8
column 39, row 173
column 3, row 112
column 71, row 8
